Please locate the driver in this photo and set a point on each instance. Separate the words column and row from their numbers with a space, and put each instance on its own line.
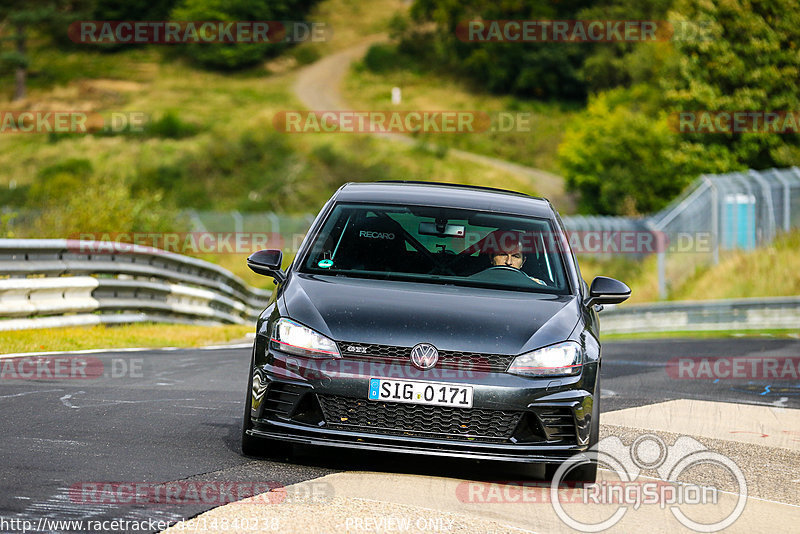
column 506, row 251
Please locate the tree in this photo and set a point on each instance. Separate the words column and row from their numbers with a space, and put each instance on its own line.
column 226, row 56
column 623, row 63
column 623, row 158
column 750, row 61
column 20, row 16
column 526, row 69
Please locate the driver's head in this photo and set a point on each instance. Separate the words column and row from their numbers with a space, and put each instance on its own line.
column 505, row 249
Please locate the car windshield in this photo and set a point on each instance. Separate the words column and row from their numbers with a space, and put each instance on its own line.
column 439, row 245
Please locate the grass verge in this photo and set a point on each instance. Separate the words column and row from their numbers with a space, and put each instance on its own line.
column 125, row 336
column 711, row 334
column 531, row 142
column 215, row 147
column 766, row 272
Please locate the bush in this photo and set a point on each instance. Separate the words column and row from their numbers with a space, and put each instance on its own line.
column 624, row 159
column 58, row 182
column 305, row 55
column 14, row 196
column 382, row 58
column 170, row 126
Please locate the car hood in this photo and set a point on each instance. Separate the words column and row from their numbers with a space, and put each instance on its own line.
column 449, row 317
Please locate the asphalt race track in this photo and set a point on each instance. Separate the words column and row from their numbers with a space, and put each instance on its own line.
column 157, row 416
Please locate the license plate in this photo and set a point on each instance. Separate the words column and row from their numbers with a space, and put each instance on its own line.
column 418, row 392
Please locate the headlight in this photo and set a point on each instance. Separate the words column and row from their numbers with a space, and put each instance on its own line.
column 294, row 338
column 556, row 360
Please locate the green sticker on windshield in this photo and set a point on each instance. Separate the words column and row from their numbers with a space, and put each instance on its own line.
column 325, row 264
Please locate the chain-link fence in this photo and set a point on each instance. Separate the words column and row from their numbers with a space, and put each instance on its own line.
column 717, row 213
column 736, row 211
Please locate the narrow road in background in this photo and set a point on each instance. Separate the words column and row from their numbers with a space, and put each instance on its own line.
column 318, row 86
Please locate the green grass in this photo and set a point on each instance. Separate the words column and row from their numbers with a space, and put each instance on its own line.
column 353, row 20
column 711, row 334
column 135, row 335
column 426, row 90
column 641, row 276
column 228, row 155
column 772, row 271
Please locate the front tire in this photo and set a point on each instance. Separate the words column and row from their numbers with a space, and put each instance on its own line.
column 253, row 446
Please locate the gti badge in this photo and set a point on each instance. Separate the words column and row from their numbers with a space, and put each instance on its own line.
column 424, row 356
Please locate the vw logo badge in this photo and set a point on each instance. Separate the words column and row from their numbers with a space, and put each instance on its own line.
column 424, row 356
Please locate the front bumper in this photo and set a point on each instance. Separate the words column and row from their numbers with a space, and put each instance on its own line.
column 513, row 418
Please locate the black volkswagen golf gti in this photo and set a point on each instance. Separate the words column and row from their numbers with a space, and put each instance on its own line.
column 430, row 319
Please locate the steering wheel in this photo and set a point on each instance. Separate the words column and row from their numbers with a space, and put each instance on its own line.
column 500, row 270
column 503, row 267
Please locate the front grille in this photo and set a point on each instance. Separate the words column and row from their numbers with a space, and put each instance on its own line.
column 344, row 413
column 448, row 359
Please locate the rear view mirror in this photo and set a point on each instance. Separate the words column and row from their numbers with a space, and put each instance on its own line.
column 441, row 230
column 268, row 263
column 605, row 290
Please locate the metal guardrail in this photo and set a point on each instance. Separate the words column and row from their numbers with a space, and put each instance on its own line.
column 727, row 314
column 57, row 282
column 61, row 282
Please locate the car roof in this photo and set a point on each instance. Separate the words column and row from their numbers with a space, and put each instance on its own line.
column 444, row 195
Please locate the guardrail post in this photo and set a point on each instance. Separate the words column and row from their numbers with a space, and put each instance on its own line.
column 714, row 221
column 662, row 282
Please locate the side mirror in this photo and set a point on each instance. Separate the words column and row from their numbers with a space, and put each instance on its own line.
column 605, row 290
column 268, row 263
